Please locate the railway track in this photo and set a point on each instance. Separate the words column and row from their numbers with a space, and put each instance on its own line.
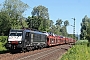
column 51, row 53
column 44, row 55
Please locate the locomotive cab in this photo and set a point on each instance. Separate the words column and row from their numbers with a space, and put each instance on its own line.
column 14, row 39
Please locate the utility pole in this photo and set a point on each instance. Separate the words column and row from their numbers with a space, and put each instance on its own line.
column 74, row 28
column 77, row 35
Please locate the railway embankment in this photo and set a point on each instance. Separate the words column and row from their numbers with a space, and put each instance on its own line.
column 51, row 53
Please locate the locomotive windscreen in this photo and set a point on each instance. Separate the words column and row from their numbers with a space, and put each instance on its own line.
column 15, row 34
column 16, row 30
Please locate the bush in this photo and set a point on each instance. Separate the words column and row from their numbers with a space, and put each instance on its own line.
column 81, row 42
column 2, row 47
column 79, row 51
column 3, row 41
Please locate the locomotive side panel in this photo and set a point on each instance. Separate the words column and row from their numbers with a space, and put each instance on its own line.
column 34, row 40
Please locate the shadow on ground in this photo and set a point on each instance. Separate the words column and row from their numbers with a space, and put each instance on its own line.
column 4, row 51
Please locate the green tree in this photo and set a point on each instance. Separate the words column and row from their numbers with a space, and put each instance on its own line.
column 49, row 25
column 53, row 29
column 66, row 23
column 33, row 22
column 41, row 16
column 88, row 32
column 64, row 31
column 4, row 23
column 84, row 24
column 15, row 9
column 59, row 22
column 40, row 11
column 58, row 26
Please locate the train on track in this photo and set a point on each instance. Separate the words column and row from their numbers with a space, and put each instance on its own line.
column 26, row 40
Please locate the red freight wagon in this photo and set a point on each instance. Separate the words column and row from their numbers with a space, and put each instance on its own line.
column 66, row 40
column 51, row 40
column 71, row 40
column 57, row 40
column 62, row 41
column 74, row 40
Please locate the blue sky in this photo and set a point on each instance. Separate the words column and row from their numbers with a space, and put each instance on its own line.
column 62, row 9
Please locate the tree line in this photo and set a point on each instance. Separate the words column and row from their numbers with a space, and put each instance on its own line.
column 85, row 28
column 11, row 17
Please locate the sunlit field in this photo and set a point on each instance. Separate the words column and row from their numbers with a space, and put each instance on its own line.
column 79, row 51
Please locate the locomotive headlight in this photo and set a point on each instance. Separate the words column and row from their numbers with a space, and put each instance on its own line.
column 19, row 42
column 9, row 42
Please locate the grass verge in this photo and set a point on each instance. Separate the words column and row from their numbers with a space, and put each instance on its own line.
column 3, row 41
column 79, row 51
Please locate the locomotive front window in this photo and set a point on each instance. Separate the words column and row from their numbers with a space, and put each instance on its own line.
column 19, row 34
column 15, row 34
column 12, row 34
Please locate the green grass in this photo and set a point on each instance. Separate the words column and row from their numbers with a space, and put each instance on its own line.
column 79, row 51
column 81, row 42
